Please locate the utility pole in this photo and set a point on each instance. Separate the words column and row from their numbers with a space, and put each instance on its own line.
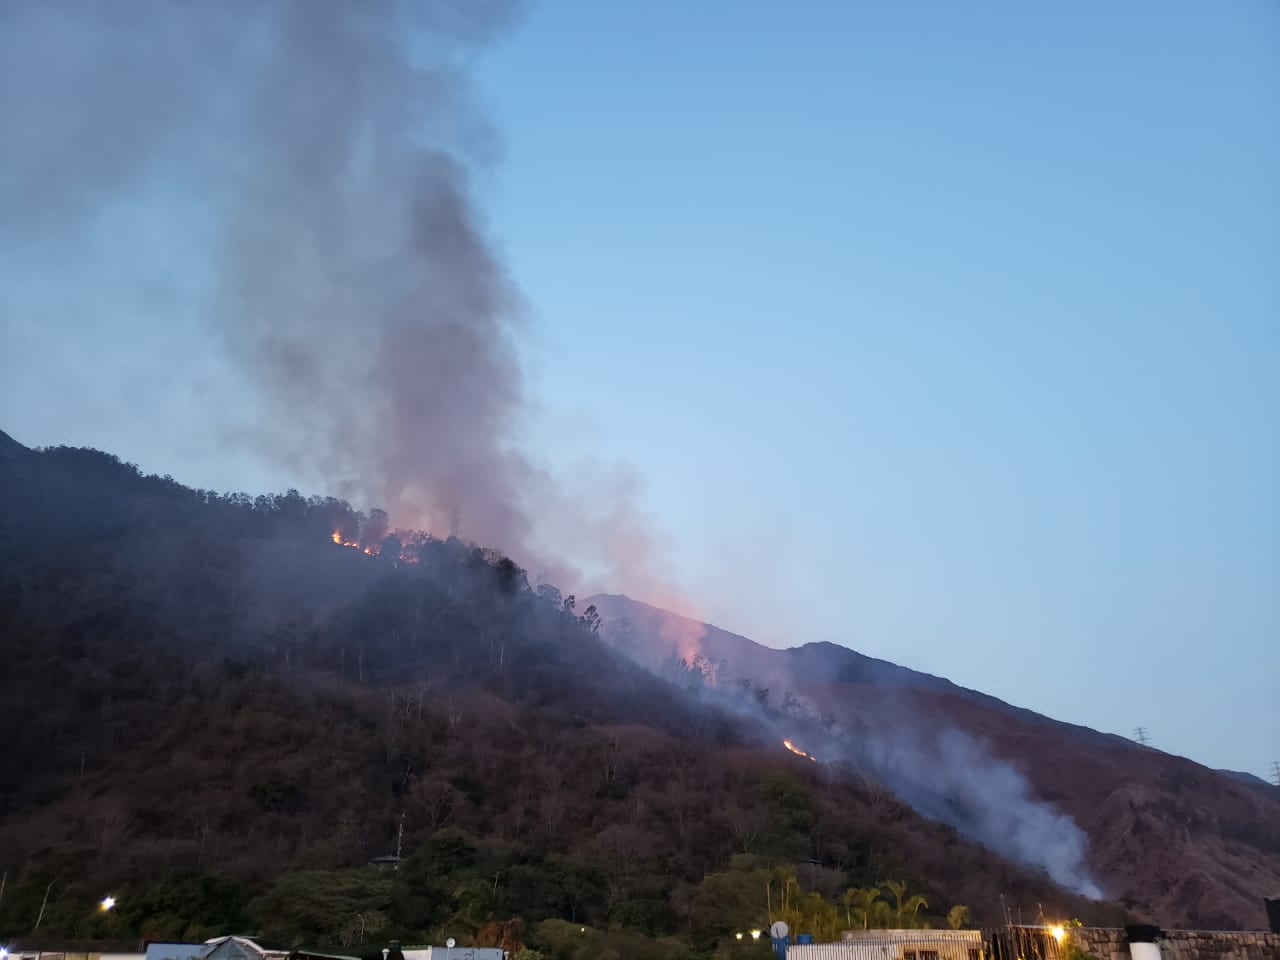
column 399, row 840
column 1140, row 734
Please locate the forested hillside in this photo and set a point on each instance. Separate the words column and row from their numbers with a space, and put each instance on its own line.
column 1177, row 843
column 220, row 708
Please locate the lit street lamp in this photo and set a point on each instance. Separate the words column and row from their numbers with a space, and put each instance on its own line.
column 106, row 904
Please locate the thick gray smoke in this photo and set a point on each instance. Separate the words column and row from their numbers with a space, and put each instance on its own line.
column 953, row 778
column 318, row 155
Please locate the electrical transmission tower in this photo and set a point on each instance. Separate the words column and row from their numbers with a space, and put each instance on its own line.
column 1275, row 772
column 1140, row 734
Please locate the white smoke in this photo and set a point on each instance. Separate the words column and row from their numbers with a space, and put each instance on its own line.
column 953, row 778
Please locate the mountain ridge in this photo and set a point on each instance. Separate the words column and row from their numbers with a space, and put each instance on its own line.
column 256, row 687
column 220, row 706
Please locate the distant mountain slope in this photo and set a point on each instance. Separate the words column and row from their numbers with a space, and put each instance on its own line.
column 1248, row 778
column 1178, row 842
column 10, row 448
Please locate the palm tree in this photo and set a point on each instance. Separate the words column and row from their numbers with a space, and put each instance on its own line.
column 860, row 904
column 908, row 914
column 905, row 908
column 957, row 916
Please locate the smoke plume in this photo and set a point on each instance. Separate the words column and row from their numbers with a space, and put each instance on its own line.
column 953, row 778
column 318, row 157
column 872, row 728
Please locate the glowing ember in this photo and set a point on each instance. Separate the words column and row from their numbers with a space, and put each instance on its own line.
column 407, row 555
column 798, row 752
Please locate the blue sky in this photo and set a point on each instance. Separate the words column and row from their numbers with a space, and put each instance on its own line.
column 948, row 332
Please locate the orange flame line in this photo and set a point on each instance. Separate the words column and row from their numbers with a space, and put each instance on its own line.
column 371, row 550
column 798, row 752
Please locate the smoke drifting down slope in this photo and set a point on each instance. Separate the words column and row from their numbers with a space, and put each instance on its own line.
column 317, row 158
column 876, row 728
column 953, row 778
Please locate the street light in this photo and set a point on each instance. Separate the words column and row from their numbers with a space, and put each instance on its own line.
column 738, row 934
column 755, row 934
column 106, row 904
column 1058, row 932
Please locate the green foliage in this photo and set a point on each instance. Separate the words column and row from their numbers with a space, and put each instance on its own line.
column 1071, row 948
column 790, row 804
column 560, row 940
column 906, row 909
column 958, row 917
column 727, row 902
column 338, row 906
column 865, row 908
column 812, row 913
column 868, row 908
column 448, row 851
column 653, row 917
column 183, row 905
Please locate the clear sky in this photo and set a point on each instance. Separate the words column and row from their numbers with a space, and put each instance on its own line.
column 948, row 332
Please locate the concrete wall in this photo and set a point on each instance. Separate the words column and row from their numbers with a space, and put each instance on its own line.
column 1108, row 944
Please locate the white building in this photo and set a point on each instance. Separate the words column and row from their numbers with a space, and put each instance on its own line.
column 219, row 948
column 455, row 953
column 894, row 945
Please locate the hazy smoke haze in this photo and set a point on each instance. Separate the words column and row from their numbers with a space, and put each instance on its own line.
column 318, row 159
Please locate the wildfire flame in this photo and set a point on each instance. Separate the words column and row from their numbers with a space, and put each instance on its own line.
column 798, row 752
column 375, row 549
